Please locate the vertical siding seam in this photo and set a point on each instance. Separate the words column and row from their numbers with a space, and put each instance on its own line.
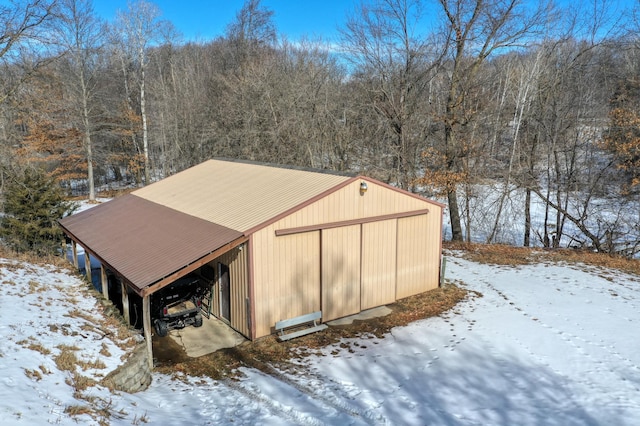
column 440, row 249
column 321, row 265
column 361, row 261
column 395, row 283
column 250, row 284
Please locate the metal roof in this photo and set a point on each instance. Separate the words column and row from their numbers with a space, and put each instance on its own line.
column 144, row 241
column 238, row 195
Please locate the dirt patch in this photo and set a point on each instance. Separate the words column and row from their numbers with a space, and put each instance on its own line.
column 498, row 254
column 33, row 258
column 494, row 254
column 269, row 350
column 167, row 351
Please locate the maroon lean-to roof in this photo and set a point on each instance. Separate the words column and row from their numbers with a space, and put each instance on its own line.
column 144, row 241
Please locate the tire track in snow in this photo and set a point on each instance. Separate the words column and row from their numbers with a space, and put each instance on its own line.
column 569, row 337
column 336, row 402
column 275, row 408
column 599, row 367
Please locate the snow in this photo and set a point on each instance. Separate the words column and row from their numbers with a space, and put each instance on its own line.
column 546, row 343
column 618, row 215
column 42, row 311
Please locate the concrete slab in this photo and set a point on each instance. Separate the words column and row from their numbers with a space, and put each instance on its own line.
column 215, row 334
column 380, row 311
column 212, row 336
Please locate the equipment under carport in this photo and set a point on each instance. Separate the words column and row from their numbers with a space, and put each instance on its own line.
column 177, row 305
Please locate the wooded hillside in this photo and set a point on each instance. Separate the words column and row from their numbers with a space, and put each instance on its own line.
column 539, row 103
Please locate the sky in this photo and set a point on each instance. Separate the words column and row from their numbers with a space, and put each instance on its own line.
column 201, row 20
column 204, row 20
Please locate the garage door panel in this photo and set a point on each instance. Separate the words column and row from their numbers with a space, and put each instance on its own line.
column 340, row 272
column 415, row 271
column 378, row 263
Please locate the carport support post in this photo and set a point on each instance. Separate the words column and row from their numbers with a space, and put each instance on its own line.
column 146, row 326
column 74, row 251
column 104, row 282
column 87, row 264
column 125, row 302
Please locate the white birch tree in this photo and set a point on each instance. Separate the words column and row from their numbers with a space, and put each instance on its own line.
column 137, row 29
column 80, row 33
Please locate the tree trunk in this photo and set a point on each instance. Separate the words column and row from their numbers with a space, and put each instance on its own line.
column 527, row 218
column 454, row 215
column 575, row 220
column 87, row 138
column 522, row 103
column 145, row 138
column 467, row 212
column 451, row 161
column 132, row 127
column 89, row 152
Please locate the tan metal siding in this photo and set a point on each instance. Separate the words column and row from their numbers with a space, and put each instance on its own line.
column 418, row 254
column 277, row 259
column 215, row 301
column 286, row 277
column 347, row 204
column 236, row 260
column 340, row 272
column 238, row 195
column 378, row 263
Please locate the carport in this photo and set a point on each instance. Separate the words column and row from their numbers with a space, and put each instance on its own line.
column 146, row 246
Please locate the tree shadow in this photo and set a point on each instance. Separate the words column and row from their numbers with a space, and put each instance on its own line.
column 472, row 386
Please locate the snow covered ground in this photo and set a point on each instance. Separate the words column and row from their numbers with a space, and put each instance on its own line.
column 548, row 344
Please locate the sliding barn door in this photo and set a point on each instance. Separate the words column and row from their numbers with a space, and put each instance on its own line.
column 379, row 241
column 340, row 272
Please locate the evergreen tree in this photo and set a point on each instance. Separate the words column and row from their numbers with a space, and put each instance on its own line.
column 33, row 204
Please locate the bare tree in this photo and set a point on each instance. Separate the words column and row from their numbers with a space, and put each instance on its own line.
column 253, row 27
column 23, row 49
column 393, row 64
column 138, row 28
column 477, row 29
column 527, row 80
column 567, row 167
column 21, row 25
column 80, row 33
